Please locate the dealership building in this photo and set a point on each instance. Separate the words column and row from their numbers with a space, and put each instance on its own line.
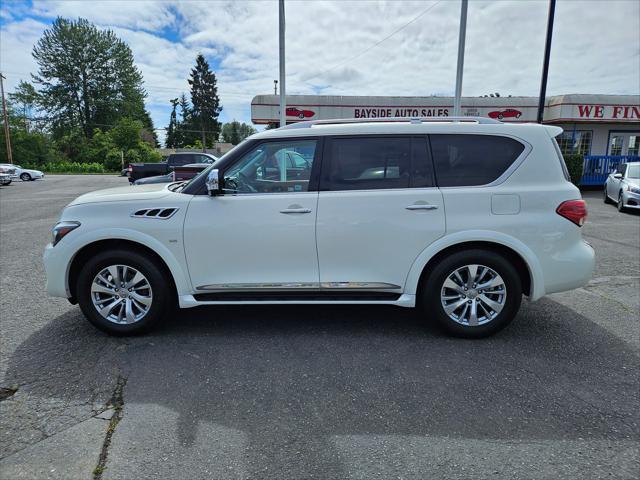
column 593, row 124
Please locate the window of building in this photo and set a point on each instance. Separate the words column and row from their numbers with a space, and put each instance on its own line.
column 575, row 142
column 463, row 160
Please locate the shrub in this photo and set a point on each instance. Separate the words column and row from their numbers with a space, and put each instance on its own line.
column 72, row 167
column 575, row 165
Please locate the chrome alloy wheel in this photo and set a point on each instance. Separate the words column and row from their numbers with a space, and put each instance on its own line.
column 121, row 294
column 473, row 295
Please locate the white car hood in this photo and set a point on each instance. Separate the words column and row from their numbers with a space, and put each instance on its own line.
column 124, row 194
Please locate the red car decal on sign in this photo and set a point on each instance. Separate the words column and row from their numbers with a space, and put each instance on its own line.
column 296, row 112
column 508, row 113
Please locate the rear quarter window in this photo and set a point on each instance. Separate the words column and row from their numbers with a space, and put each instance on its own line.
column 469, row 160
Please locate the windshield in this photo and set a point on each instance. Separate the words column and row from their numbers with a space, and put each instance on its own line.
column 634, row 171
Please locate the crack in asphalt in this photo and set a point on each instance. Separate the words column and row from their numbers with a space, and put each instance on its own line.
column 7, row 392
column 117, row 403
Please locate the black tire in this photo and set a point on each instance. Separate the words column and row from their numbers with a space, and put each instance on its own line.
column 500, row 116
column 605, row 196
column 25, row 177
column 620, row 205
column 432, row 287
column 163, row 297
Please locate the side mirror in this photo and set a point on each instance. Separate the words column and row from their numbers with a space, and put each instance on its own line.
column 213, row 182
column 618, row 176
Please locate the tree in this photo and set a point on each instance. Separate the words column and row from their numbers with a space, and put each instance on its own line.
column 170, row 141
column 235, row 132
column 186, row 133
column 205, row 101
column 126, row 134
column 27, row 97
column 87, row 78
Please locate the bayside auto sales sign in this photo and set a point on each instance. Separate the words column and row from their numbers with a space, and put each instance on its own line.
column 399, row 112
column 559, row 109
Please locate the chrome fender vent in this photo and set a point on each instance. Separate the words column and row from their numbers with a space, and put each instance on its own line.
column 158, row 213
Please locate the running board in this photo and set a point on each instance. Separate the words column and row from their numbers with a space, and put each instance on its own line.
column 287, row 296
column 304, row 298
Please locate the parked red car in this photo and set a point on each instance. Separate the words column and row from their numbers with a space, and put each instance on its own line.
column 508, row 113
column 296, row 112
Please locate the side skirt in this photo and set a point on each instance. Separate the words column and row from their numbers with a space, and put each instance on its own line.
column 404, row 300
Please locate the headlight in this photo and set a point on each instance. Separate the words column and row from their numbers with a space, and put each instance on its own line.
column 634, row 189
column 61, row 230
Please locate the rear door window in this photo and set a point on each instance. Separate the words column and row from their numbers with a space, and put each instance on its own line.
column 367, row 163
column 467, row 160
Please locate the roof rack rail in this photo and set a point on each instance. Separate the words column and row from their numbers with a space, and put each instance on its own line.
column 342, row 121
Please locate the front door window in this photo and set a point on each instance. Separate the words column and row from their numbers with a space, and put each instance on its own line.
column 272, row 167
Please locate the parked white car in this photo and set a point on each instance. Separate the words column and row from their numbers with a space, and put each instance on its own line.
column 459, row 217
column 6, row 171
column 24, row 174
column 623, row 186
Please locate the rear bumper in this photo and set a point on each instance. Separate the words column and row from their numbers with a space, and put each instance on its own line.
column 570, row 268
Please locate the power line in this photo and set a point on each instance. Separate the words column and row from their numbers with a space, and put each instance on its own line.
column 48, row 119
column 371, row 47
column 158, row 87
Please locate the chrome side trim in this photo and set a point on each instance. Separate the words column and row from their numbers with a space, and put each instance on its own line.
column 251, row 287
column 359, row 286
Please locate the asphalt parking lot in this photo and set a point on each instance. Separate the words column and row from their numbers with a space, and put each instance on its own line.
column 310, row 392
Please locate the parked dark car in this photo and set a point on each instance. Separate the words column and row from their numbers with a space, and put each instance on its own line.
column 143, row 170
column 168, row 178
column 180, row 173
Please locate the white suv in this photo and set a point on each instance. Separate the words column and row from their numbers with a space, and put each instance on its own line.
column 460, row 217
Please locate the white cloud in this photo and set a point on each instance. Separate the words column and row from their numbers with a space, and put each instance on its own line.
column 596, row 48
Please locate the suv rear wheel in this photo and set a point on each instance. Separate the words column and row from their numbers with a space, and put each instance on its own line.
column 473, row 293
column 123, row 292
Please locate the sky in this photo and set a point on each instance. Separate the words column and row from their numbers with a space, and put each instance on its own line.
column 377, row 47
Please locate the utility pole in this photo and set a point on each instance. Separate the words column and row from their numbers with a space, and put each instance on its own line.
column 461, row 39
column 545, row 65
column 275, row 87
column 7, row 132
column 283, row 101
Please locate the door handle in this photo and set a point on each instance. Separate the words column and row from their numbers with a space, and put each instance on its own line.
column 420, row 206
column 296, row 210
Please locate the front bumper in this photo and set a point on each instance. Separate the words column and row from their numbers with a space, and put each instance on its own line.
column 56, row 264
column 630, row 199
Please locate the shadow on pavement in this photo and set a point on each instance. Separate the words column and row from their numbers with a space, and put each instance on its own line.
column 291, row 377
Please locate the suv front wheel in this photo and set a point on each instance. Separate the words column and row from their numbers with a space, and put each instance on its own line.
column 123, row 292
column 473, row 293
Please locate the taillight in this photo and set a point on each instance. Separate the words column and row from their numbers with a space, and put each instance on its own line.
column 573, row 210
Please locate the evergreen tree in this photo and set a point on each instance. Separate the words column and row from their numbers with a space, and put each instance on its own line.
column 205, row 101
column 170, row 141
column 186, row 132
column 87, row 78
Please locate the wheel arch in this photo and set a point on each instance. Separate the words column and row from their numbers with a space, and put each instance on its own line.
column 522, row 257
column 98, row 246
